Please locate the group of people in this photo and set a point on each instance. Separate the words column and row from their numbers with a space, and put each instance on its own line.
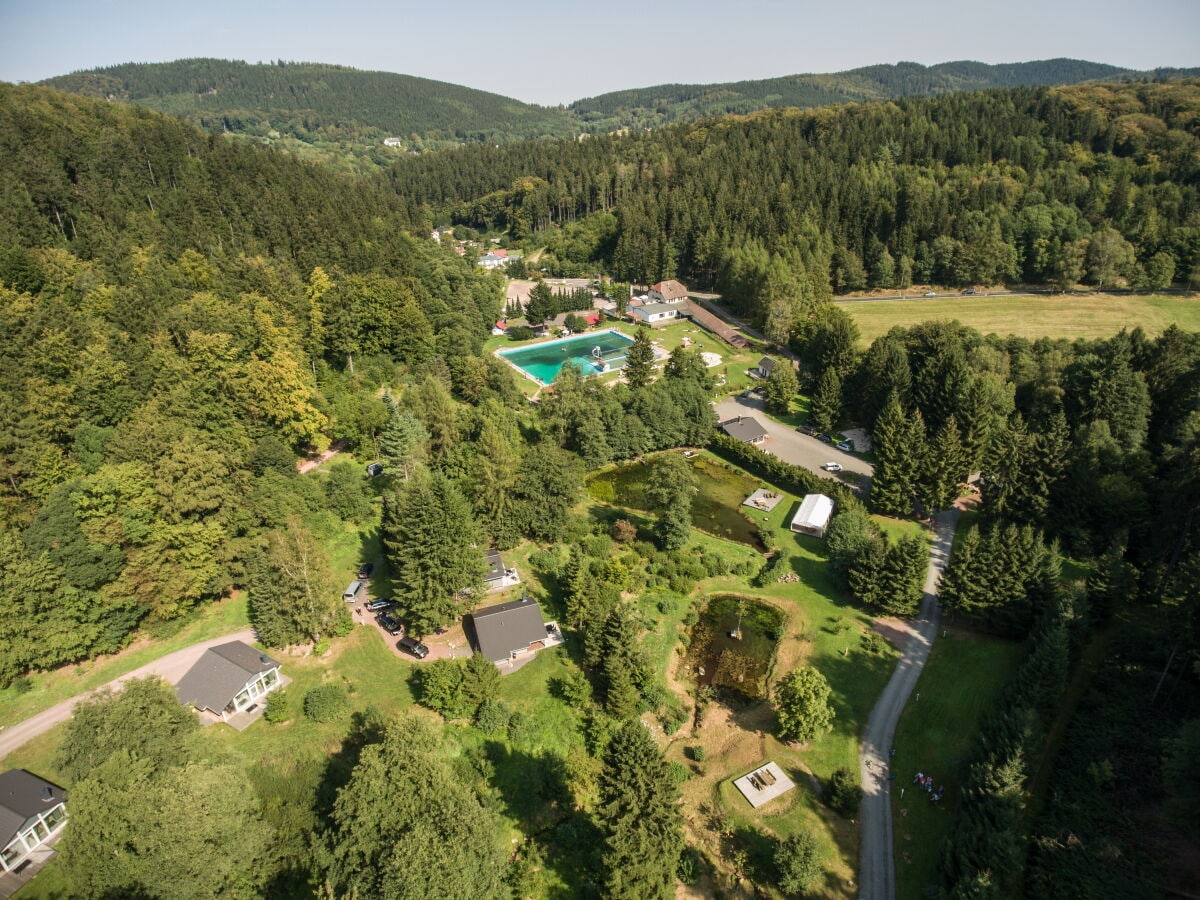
column 926, row 782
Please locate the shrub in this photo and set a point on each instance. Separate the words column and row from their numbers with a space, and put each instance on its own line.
column 572, row 688
column 775, row 569
column 679, row 772
column 691, row 866
column 321, row 647
column 843, row 793
column 624, row 531
column 326, row 703
column 521, row 728
column 547, row 561
column 492, row 717
column 520, row 333
column 21, row 685
column 696, row 752
column 278, row 707
column 691, row 617
column 873, row 643
column 799, row 862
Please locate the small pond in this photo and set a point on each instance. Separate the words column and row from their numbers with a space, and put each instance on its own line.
column 715, row 658
column 716, row 509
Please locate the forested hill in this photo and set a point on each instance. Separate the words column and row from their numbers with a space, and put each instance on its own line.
column 312, row 101
column 181, row 316
column 666, row 103
column 1033, row 185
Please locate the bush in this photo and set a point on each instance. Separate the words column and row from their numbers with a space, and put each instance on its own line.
column 520, row 333
column 696, row 752
column 691, row 866
column 492, row 717
column 321, row 647
column 843, row 793
column 874, row 644
column 691, row 617
column 326, row 703
column 775, row 569
column 623, row 531
column 799, row 862
column 521, row 728
column 278, row 707
column 547, row 561
column 572, row 688
column 21, row 685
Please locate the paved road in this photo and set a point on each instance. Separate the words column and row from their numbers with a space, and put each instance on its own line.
column 170, row 667
column 790, row 445
column 877, row 870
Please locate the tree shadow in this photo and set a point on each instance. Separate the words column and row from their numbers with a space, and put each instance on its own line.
column 759, row 848
column 855, row 682
column 366, row 728
column 534, row 791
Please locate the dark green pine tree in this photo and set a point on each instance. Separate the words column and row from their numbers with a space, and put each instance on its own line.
column 898, row 439
column 671, row 488
column 622, row 665
column 639, row 818
column 960, row 588
column 781, row 388
column 944, row 469
column 867, row 571
column 402, row 443
column 639, row 360
column 543, row 304
column 826, row 408
column 432, row 544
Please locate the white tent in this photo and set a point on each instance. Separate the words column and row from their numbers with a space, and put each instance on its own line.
column 813, row 515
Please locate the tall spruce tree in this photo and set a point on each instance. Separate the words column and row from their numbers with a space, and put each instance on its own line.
column 781, row 387
column 402, row 442
column 639, row 818
column 898, row 439
column 639, row 360
column 826, row 408
column 943, row 470
column 671, row 487
column 433, row 549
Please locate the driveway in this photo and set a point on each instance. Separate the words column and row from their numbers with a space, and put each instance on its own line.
column 793, row 447
column 170, row 668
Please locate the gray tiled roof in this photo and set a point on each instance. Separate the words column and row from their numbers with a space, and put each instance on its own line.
column 505, row 627
column 23, row 796
column 220, row 673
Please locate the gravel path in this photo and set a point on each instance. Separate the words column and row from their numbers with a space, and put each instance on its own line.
column 170, row 667
column 877, row 871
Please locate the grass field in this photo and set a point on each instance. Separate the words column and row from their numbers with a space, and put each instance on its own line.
column 964, row 677
column 1056, row 316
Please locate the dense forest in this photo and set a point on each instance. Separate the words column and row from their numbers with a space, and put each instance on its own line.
column 184, row 316
column 665, row 104
column 1045, row 186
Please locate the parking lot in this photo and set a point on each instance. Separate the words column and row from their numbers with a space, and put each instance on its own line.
column 792, row 447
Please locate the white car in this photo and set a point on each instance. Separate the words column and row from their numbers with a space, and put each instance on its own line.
column 832, row 467
column 930, row 294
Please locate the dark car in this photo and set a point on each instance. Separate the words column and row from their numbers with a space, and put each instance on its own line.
column 391, row 626
column 806, row 429
column 365, row 570
column 380, row 605
column 824, row 439
column 375, row 470
column 413, row 646
column 969, row 292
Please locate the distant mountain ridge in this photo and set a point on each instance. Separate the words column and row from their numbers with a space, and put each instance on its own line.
column 338, row 107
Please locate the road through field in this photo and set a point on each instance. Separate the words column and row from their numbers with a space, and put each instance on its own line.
column 877, row 872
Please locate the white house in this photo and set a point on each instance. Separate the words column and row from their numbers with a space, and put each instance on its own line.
column 228, row 679
column 493, row 259
column 393, row 142
column 655, row 313
column 766, row 366
column 668, row 292
column 813, row 515
column 32, row 812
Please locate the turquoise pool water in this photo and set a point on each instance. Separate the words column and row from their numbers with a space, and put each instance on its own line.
column 545, row 361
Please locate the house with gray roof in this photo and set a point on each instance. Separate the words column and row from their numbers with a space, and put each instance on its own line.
column 509, row 631
column 33, row 812
column 228, row 679
column 746, row 429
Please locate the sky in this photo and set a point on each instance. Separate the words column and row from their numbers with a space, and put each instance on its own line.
column 555, row 52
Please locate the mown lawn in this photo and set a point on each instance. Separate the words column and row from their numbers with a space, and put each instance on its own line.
column 1054, row 316
column 961, row 682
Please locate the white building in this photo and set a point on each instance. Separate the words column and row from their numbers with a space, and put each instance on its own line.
column 655, row 313
column 33, row 812
column 813, row 515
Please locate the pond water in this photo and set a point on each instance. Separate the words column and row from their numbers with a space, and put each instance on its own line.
column 738, row 664
column 716, row 508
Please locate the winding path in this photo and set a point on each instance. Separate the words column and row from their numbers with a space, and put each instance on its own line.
column 170, row 667
column 877, row 871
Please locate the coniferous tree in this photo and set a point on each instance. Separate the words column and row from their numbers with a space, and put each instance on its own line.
column 638, row 818
column 944, row 469
column 639, row 360
column 671, row 487
column 402, row 442
column 826, row 407
column 781, row 387
column 433, row 548
column 293, row 596
column 898, row 440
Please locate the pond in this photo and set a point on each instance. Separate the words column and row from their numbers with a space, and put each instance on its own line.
column 716, row 510
column 738, row 664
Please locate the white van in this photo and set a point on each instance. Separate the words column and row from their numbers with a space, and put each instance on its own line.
column 353, row 591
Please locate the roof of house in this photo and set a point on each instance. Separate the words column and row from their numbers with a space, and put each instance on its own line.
column 502, row 325
column 650, row 309
column 766, row 364
column 505, row 627
column 814, row 511
column 22, row 796
column 220, row 673
column 744, row 428
column 671, row 290
column 495, row 566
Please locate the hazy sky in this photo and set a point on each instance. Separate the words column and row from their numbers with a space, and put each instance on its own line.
column 555, row 52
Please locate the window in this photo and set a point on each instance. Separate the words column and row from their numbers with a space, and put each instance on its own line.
column 271, row 678
column 56, row 817
column 12, row 852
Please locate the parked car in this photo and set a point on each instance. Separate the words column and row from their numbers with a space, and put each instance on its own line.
column 806, row 429
column 832, row 467
column 380, row 605
column 413, row 646
column 930, row 294
column 365, row 570
column 391, row 626
column 351, row 593
column 969, row 291
column 824, row 439
column 845, row 445
column 375, row 470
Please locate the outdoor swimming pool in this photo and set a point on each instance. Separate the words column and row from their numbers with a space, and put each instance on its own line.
column 603, row 351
